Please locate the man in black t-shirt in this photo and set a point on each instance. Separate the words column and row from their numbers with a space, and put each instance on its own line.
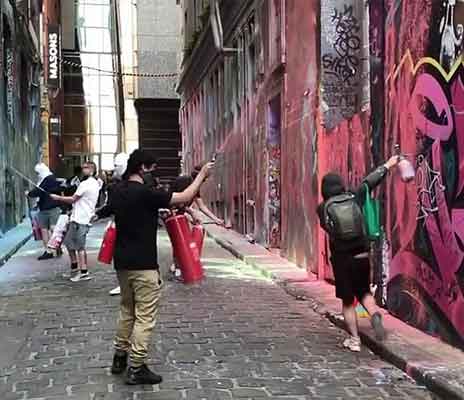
column 135, row 206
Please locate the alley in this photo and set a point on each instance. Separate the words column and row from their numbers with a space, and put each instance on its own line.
column 236, row 336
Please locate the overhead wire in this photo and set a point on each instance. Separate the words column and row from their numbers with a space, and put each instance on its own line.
column 114, row 73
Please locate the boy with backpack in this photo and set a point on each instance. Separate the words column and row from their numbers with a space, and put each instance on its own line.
column 341, row 217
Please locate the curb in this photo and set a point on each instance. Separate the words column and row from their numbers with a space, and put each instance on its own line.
column 420, row 374
column 10, row 253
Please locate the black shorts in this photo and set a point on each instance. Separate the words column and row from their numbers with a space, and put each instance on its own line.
column 352, row 276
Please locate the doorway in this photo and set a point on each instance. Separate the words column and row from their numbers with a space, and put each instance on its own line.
column 274, row 173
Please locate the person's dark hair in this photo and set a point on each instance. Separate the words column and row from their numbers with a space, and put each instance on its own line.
column 181, row 183
column 137, row 159
column 332, row 185
column 196, row 170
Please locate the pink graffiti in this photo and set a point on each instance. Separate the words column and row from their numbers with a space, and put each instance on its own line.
column 457, row 94
column 444, row 225
column 427, row 87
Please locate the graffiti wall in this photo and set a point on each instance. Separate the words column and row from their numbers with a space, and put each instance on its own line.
column 425, row 115
column 20, row 130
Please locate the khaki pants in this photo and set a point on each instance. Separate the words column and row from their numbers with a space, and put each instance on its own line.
column 140, row 296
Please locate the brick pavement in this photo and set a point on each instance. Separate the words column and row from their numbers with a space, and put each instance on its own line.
column 236, row 336
column 439, row 366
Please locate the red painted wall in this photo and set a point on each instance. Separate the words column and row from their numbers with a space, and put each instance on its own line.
column 299, row 158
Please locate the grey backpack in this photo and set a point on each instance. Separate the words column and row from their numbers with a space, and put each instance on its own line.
column 343, row 218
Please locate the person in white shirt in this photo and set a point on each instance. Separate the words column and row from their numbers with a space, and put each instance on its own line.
column 84, row 202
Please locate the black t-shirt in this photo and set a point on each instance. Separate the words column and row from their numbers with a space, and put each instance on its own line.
column 50, row 185
column 135, row 207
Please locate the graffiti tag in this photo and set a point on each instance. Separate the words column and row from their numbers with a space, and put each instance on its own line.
column 428, row 187
column 347, row 43
column 274, row 195
column 344, row 60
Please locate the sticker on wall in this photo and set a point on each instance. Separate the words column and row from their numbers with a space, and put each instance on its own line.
column 345, row 87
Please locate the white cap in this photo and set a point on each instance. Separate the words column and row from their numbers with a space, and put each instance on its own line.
column 120, row 164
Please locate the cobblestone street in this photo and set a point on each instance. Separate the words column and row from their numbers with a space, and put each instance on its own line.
column 236, row 336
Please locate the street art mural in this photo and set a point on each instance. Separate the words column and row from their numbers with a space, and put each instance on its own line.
column 425, row 115
column 273, row 173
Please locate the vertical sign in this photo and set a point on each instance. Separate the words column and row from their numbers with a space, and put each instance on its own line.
column 10, row 82
column 344, row 60
column 54, row 55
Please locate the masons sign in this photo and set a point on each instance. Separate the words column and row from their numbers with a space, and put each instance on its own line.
column 53, row 56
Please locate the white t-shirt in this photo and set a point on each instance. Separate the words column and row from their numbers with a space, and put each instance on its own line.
column 84, row 208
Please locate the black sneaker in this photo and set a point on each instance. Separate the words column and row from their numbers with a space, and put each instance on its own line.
column 45, row 256
column 377, row 325
column 119, row 362
column 142, row 376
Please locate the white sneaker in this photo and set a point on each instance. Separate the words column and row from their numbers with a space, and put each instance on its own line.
column 81, row 277
column 353, row 343
column 70, row 274
column 115, row 291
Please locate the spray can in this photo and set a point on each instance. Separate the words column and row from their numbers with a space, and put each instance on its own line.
column 405, row 167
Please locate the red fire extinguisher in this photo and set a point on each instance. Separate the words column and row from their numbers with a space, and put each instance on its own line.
column 106, row 253
column 185, row 249
column 198, row 235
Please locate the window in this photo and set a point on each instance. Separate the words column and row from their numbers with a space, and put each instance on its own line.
column 195, row 16
column 240, row 72
column 221, row 94
column 210, row 92
column 227, row 89
column 24, row 94
column 251, row 67
column 90, row 100
column 234, row 80
column 274, row 32
column 186, row 30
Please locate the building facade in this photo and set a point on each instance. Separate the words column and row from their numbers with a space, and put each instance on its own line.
column 20, row 110
column 157, row 103
column 332, row 86
column 82, row 82
column 150, row 44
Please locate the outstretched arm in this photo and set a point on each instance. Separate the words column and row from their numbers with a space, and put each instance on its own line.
column 376, row 177
column 189, row 194
column 65, row 199
column 205, row 210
